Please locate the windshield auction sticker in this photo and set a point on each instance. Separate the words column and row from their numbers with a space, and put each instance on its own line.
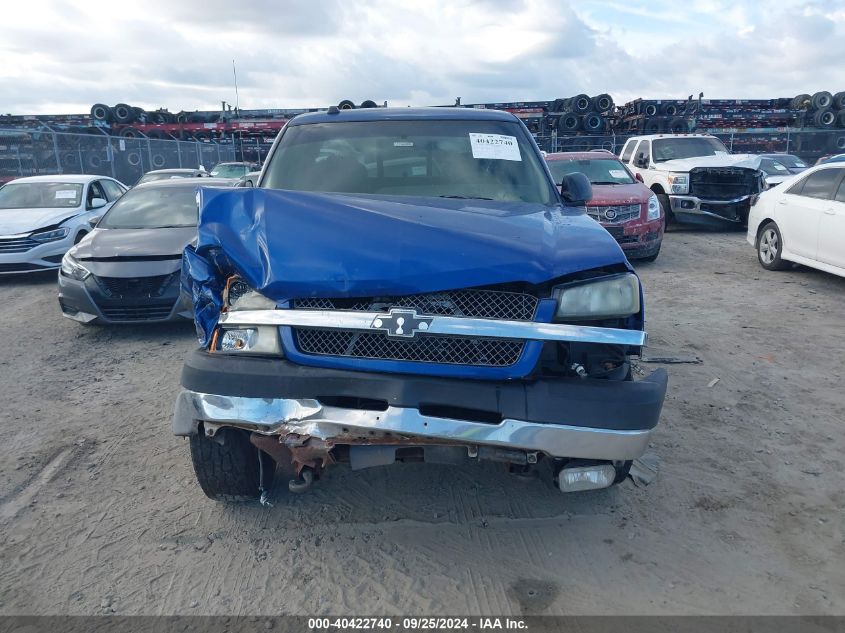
column 495, row 146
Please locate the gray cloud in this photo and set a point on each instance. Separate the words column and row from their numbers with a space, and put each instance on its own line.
column 300, row 54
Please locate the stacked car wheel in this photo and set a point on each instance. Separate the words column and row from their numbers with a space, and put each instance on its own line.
column 825, row 111
column 581, row 112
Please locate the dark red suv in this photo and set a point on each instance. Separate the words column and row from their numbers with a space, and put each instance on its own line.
column 623, row 205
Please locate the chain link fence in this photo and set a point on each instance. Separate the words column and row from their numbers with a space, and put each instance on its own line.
column 33, row 153
column 809, row 145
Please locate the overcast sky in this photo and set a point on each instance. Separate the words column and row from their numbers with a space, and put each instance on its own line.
column 63, row 56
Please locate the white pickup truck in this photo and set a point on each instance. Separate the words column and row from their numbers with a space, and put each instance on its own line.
column 697, row 180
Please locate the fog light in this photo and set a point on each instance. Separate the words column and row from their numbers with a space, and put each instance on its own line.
column 238, row 340
column 586, row 478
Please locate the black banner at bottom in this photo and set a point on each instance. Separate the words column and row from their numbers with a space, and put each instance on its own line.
column 402, row 624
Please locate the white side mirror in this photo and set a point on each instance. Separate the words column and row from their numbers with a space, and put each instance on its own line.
column 96, row 203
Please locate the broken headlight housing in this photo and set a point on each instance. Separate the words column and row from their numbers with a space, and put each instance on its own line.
column 246, row 339
column 613, row 297
column 73, row 269
column 238, row 295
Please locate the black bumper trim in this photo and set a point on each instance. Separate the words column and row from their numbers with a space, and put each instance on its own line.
column 600, row 404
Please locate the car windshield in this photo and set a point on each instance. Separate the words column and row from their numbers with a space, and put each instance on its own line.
column 792, row 162
column 773, row 167
column 40, row 195
column 689, row 147
column 229, row 170
column 488, row 160
column 153, row 207
column 168, row 175
column 600, row 171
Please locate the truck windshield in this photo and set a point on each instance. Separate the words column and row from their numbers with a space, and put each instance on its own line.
column 487, row 160
column 690, row 147
column 602, row 171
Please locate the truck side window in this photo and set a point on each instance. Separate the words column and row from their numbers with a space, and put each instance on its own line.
column 628, row 151
column 643, row 150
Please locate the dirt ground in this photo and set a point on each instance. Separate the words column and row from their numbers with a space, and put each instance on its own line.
column 100, row 512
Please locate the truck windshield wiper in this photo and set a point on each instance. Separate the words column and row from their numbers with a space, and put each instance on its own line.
column 466, row 197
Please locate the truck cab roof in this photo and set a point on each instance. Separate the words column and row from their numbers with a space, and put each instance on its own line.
column 403, row 114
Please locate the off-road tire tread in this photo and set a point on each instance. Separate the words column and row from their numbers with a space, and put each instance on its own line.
column 228, row 471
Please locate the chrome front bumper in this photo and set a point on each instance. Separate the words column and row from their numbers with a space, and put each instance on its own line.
column 306, row 417
column 445, row 325
column 691, row 207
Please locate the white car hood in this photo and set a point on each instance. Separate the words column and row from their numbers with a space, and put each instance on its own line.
column 722, row 160
column 17, row 221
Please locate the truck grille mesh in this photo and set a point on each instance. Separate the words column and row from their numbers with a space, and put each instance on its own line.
column 450, row 350
column 424, row 348
column 480, row 304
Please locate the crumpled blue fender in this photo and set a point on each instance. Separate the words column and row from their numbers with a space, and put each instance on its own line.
column 292, row 244
column 202, row 281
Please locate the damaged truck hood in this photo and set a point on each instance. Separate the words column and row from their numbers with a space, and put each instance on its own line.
column 290, row 245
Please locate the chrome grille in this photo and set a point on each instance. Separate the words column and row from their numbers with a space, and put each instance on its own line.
column 16, row 244
column 481, row 304
column 424, row 348
column 614, row 213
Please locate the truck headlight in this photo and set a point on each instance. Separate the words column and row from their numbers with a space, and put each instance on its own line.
column 261, row 339
column 606, row 298
column 653, row 212
column 50, row 236
column 240, row 296
column 679, row 183
column 73, row 269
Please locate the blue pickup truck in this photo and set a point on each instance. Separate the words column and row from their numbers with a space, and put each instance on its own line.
column 410, row 285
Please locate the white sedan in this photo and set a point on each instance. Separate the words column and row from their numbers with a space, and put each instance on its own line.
column 802, row 221
column 41, row 217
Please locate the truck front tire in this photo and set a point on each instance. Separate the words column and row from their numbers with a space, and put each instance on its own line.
column 227, row 466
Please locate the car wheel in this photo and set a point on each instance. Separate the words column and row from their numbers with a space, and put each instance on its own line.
column 227, row 466
column 770, row 247
column 79, row 237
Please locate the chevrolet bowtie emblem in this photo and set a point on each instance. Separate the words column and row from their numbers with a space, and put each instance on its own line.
column 401, row 323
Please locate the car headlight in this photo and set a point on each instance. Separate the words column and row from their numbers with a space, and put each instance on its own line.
column 653, row 212
column 50, row 236
column 238, row 295
column 261, row 339
column 606, row 298
column 679, row 183
column 73, row 269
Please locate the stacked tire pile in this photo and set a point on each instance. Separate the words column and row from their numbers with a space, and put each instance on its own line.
column 656, row 117
column 822, row 110
column 825, row 112
column 122, row 116
column 346, row 104
column 581, row 113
